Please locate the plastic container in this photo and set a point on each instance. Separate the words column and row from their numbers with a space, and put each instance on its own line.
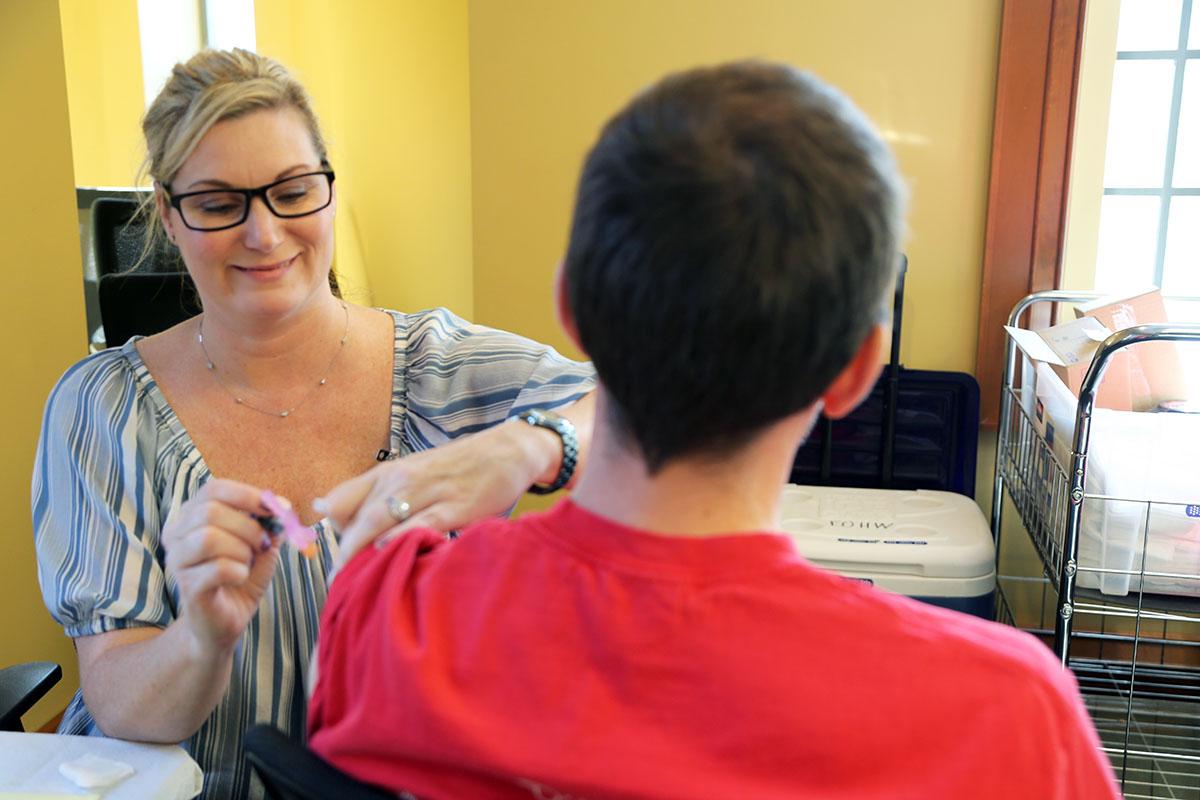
column 1144, row 465
column 929, row 545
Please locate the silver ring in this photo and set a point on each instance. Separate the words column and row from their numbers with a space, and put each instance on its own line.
column 399, row 509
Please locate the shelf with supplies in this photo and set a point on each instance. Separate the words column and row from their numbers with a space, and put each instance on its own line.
column 1110, row 501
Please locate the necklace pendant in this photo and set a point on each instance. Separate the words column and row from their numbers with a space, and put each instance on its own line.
column 208, row 362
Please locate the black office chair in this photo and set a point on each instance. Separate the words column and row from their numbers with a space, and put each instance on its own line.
column 21, row 686
column 136, row 297
column 290, row 771
column 117, row 235
column 144, row 303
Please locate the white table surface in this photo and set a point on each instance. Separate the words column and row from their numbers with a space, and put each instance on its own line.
column 29, row 767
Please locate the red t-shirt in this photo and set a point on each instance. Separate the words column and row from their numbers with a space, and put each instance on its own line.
column 563, row 655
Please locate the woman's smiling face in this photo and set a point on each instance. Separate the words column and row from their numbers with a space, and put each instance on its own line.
column 267, row 266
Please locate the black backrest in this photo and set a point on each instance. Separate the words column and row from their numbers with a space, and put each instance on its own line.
column 135, row 297
column 117, row 240
column 144, row 303
column 290, row 771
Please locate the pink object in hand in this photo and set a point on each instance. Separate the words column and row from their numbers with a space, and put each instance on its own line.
column 302, row 538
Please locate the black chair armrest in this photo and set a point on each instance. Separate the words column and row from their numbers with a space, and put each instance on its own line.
column 290, row 771
column 21, row 686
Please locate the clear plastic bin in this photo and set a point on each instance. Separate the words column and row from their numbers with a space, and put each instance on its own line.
column 1143, row 492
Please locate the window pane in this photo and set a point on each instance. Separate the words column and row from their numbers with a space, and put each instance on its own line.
column 229, row 24
column 1138, row 118
column 169, row 31
column 1187, row 143
column 1149, row 25
column 1181, row 265
column 1194, row 28
column 1128, row 240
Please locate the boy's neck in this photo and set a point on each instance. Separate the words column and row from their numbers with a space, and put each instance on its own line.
column 695, row 496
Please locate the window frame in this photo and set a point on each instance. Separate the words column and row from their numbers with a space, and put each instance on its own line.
column 1179, row 56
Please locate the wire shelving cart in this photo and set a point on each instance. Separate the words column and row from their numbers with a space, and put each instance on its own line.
column 1135, row 653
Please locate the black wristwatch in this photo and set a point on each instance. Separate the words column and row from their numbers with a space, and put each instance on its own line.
column 570, row 446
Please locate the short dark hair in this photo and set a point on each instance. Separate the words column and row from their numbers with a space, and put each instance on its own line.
column 735, row 235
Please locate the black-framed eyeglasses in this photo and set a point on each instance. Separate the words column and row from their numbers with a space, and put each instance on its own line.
column 218, row 209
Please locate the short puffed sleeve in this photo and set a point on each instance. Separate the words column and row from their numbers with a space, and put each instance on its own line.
column 96, row 516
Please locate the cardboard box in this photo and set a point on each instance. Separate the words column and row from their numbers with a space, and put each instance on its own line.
column 1154, row 370
column 1068, row 349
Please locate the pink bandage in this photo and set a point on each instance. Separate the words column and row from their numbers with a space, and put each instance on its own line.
column 302, row 538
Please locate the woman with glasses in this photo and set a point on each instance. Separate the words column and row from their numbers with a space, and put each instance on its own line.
column 191, row 622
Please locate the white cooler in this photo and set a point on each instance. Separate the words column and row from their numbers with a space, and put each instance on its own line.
column 931, row 546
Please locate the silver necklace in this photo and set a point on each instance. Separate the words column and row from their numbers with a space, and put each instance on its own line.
column 241, row 401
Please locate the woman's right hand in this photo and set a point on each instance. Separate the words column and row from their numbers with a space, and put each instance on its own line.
column 215, row 551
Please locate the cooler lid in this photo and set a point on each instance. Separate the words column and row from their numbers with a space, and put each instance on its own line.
column 884, row 531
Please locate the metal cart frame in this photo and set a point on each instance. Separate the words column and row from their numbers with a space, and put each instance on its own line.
column 1147, row 711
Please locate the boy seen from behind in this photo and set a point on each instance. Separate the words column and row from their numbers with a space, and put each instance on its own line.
column 733, row 248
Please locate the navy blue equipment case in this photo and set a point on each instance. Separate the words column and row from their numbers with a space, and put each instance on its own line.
column 918, row 429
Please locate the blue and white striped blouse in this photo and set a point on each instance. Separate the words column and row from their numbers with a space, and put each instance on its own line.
column 114, row 463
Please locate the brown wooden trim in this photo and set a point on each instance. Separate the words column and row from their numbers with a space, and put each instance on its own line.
column 1040, row 46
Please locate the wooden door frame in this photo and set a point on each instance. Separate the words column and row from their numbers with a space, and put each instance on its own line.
column 1037, row 76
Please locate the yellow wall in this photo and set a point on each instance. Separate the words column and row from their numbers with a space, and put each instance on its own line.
column 545, row 75
column 102, row 53
column 390, row 82
column 41, row 312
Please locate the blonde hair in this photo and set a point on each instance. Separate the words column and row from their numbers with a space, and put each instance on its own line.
column 210, row 87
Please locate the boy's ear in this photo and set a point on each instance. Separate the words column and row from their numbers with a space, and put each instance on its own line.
column 562, row 306
column 855, row 382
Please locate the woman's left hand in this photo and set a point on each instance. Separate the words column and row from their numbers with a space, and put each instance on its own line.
column 450, row 486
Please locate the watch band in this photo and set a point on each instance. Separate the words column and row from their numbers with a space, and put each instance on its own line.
column 541, row 418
